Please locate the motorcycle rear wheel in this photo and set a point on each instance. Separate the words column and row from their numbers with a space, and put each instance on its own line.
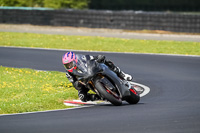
column 134, row 98
column 107, row 94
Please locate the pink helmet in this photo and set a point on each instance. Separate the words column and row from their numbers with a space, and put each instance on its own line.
column 69, row 61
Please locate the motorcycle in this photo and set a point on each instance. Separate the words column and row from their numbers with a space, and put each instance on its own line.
column 104, row 82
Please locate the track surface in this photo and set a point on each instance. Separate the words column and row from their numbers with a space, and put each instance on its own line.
column 172, row 106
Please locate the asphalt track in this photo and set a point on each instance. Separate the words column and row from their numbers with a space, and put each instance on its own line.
column 172, row 106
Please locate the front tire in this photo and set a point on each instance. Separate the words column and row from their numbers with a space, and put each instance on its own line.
column 107, row 94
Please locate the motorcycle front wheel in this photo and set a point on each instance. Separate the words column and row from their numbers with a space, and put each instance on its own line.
column 111, row 96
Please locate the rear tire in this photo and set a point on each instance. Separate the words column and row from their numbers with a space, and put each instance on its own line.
column 103, row 91
column 134, row 98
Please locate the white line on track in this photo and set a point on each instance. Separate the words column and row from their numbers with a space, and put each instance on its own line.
column 45, row 111
column 146, row 89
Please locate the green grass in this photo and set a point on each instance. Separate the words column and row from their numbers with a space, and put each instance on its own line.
column 27, row 90
column 98, row 43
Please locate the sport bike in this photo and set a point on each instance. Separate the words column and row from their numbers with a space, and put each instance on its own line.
column 100, row 79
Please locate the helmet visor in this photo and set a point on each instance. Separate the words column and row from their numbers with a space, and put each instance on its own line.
column 69, row 65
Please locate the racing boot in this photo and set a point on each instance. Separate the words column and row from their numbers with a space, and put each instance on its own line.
column 83, row 96
column 93, row 97
column 122, row 75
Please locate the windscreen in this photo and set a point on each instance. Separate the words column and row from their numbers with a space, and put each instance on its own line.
column 81, row 64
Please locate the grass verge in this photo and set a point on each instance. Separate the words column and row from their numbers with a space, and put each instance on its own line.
column 98, row 43
column 27, row 90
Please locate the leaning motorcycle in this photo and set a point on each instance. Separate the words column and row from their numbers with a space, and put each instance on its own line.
column 104, row 82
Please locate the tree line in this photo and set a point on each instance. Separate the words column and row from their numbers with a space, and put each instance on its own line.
column 147, row 5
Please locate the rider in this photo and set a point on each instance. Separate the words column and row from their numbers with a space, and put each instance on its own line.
column 70, row 60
